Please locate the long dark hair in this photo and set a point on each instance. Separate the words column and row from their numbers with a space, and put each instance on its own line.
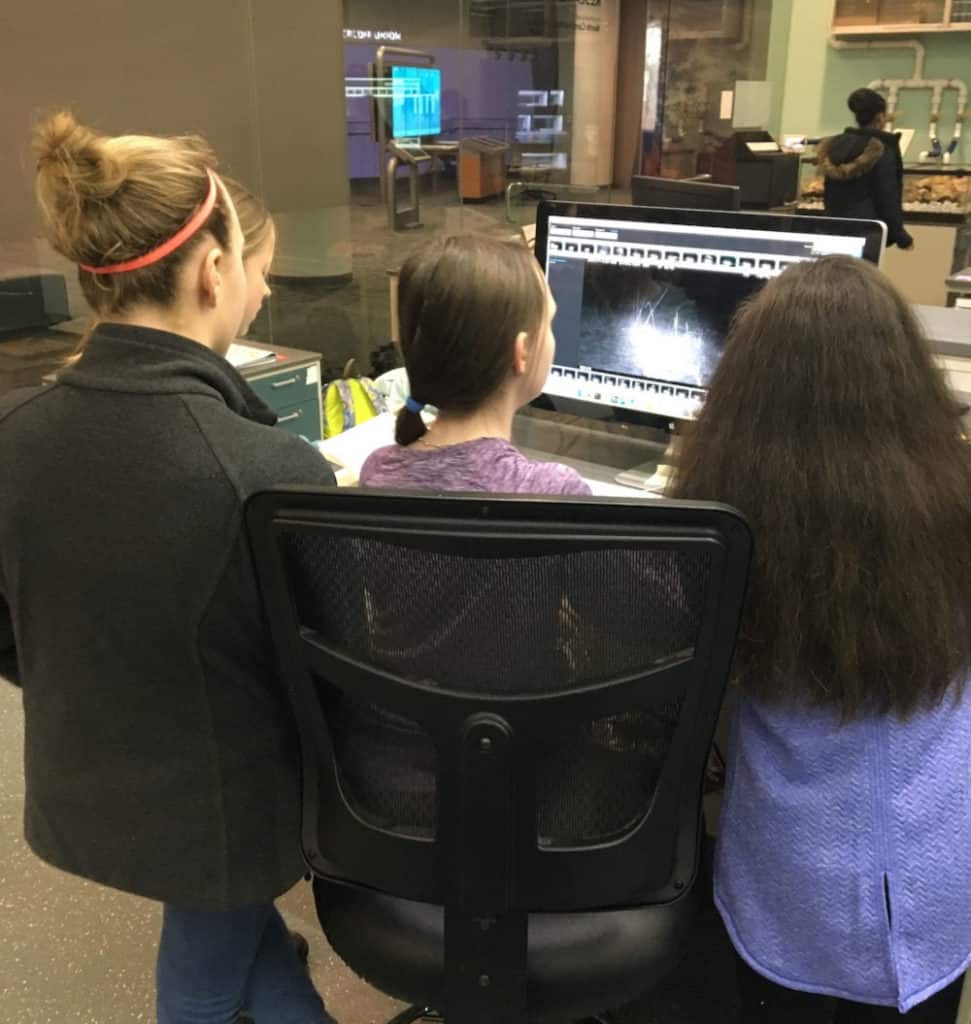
column 829, row 426
column 462, row 302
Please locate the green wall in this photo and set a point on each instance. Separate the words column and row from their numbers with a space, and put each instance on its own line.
column 805, row 66
column 779, row 37
column 948, row 56
column 812, row 82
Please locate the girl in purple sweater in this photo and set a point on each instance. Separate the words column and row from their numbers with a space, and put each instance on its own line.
column 844, row 857
column 477, row 338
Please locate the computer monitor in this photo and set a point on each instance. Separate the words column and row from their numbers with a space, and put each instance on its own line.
column 416, row 102
column 684, row 195
column 646, row 296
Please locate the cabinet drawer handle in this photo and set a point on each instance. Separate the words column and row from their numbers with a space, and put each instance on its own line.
column 289, row 419
column 284, row 383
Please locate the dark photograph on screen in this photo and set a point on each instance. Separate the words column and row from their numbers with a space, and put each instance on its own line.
column 665, row 324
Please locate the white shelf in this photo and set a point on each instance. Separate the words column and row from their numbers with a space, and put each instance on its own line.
column 899, row 30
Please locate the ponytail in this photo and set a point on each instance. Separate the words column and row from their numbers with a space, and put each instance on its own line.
column 409, row 426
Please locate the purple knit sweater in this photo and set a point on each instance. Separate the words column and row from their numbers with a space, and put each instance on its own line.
column 487, row 464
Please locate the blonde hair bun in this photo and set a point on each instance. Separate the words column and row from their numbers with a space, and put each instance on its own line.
column 74, row 167
column 108, row 199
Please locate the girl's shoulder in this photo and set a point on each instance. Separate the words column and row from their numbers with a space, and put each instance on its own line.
column 488, row 464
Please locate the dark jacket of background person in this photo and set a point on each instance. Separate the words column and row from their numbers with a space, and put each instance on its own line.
column 160, row 753
column 864, row 175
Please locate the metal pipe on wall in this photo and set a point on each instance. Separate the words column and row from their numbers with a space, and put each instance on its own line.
column 936, row 86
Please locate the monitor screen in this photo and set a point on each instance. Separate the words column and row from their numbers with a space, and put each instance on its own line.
column 646, row 296
column 416, row 102
column 686, row 195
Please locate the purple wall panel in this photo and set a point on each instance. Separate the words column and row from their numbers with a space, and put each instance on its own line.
column 479, row 97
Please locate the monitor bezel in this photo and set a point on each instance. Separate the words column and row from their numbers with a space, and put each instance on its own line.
column 873, row 232
column 686, row 187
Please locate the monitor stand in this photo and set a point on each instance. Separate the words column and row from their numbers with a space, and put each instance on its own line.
column 651, row 476
column 412, row 157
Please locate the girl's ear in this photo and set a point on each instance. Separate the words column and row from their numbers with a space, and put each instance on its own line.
column 520, row 359
column 210, row 277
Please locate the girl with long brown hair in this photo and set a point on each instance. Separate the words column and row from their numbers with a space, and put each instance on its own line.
column 844, row 860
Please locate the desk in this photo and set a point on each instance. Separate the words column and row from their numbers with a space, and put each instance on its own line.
column 959, row 287
column 948, row 330
column 290, row 386
column 598, row 452
column 949, row 334
column 602, row 479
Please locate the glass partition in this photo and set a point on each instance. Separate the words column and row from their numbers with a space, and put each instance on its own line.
column 711, row 83
column 478, row 109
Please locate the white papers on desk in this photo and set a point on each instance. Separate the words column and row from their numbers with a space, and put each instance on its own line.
column 349, row 450
column 245, row 355
column 606, row 489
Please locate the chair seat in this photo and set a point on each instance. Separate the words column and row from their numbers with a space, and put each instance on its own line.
column 578, row 963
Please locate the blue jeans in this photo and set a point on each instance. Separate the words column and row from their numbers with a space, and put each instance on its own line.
column 213, row 966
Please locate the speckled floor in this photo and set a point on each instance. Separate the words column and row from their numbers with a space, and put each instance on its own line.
column 72, row 952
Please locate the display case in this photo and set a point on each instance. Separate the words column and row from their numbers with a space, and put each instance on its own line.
column 932, row 194
column 861, row 17
column 937, row 215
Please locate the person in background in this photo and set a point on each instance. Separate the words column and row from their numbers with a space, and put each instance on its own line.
column 477, row 340
column 843, row 869
column 863, row 169
column 161, row 756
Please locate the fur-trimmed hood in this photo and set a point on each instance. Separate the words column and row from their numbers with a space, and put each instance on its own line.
column 863, row 178
column 852, row 154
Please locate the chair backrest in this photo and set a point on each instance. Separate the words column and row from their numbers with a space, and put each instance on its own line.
column 504, row 704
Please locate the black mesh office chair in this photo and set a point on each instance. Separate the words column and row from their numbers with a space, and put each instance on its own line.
column 505, row 708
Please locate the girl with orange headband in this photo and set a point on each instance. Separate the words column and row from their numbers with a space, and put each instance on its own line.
column 160, row 753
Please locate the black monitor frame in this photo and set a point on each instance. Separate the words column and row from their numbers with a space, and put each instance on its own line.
column 684, row 194
column 871, row 231
column 873, row 234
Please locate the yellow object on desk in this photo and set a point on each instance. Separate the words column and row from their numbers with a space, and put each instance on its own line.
column 348, row 451
column 350, row 401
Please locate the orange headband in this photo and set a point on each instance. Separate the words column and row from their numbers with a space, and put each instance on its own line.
column 181, row 236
